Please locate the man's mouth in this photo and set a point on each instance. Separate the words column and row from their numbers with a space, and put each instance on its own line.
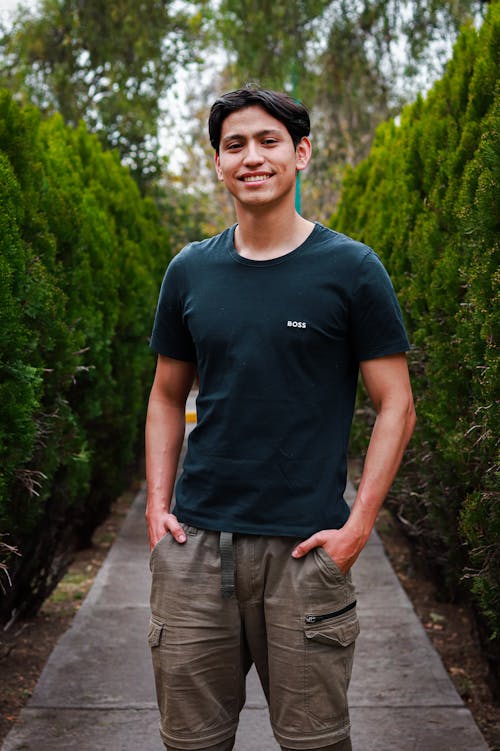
column 255, row 178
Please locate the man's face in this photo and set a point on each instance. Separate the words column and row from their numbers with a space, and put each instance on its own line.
column 257, row 160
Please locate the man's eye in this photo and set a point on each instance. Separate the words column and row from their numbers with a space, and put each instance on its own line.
column 233, row 146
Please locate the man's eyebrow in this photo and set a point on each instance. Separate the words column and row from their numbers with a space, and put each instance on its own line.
column 259, row 134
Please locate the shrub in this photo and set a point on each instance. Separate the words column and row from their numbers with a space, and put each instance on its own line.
column 81, row 259
column 427, row 200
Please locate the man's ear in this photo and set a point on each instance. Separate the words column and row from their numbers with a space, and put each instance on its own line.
column 303, row 152
column 217, row 166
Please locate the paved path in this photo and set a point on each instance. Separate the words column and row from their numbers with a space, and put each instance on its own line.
column 96, row 692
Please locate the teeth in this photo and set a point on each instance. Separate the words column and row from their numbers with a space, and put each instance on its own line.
column 255, row 178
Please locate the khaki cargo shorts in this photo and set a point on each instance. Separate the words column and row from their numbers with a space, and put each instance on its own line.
column 294, row 618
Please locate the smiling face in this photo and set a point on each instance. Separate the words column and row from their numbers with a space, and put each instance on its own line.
column 257, row 160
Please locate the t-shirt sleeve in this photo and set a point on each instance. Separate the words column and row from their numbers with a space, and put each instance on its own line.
column 377, row 323
column 171, row 336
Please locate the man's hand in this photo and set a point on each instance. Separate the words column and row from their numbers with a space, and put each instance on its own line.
column 342, row 546
column 160, row 524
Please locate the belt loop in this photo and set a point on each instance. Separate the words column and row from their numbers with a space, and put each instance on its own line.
column 227, row 564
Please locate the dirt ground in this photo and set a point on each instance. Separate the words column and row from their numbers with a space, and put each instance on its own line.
column 26, row 645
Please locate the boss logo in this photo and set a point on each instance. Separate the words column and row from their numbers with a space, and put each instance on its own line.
column 297, row 324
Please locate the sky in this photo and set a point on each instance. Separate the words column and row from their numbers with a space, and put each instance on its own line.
column 7, row 6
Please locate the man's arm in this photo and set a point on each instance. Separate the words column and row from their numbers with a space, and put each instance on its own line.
column 388, row 385
column 165, row 425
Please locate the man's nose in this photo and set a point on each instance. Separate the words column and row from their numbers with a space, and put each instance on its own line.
column 253, row 154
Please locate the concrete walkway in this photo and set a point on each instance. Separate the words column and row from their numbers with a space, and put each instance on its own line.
column 96, row 692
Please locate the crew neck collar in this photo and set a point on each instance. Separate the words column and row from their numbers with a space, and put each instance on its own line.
column 270, row 261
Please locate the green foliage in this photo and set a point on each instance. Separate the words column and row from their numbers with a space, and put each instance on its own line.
column 81, row 258
column 427, row 199
column 108, row 64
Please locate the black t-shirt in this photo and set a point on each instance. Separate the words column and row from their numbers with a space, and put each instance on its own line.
column 277, row 345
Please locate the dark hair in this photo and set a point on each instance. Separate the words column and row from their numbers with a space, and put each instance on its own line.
column 283, row 107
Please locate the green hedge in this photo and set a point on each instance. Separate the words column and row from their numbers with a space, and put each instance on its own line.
column 427, row 200
column 81, row 259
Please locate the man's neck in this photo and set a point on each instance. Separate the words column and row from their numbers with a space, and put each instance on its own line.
column 262, row 236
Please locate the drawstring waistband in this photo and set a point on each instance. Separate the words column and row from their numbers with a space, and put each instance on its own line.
column 227, row 564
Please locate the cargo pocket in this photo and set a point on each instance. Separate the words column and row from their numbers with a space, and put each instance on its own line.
column 158, row 655
column 330, row 641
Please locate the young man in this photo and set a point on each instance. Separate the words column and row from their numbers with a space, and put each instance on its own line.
column 277, row 314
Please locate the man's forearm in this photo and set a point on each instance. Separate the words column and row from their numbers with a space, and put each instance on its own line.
column 164, row 437
column 388, row 385
column 165, row 426
column 392, row 431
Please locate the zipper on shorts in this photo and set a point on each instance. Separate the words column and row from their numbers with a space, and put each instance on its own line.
column 326, row 616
